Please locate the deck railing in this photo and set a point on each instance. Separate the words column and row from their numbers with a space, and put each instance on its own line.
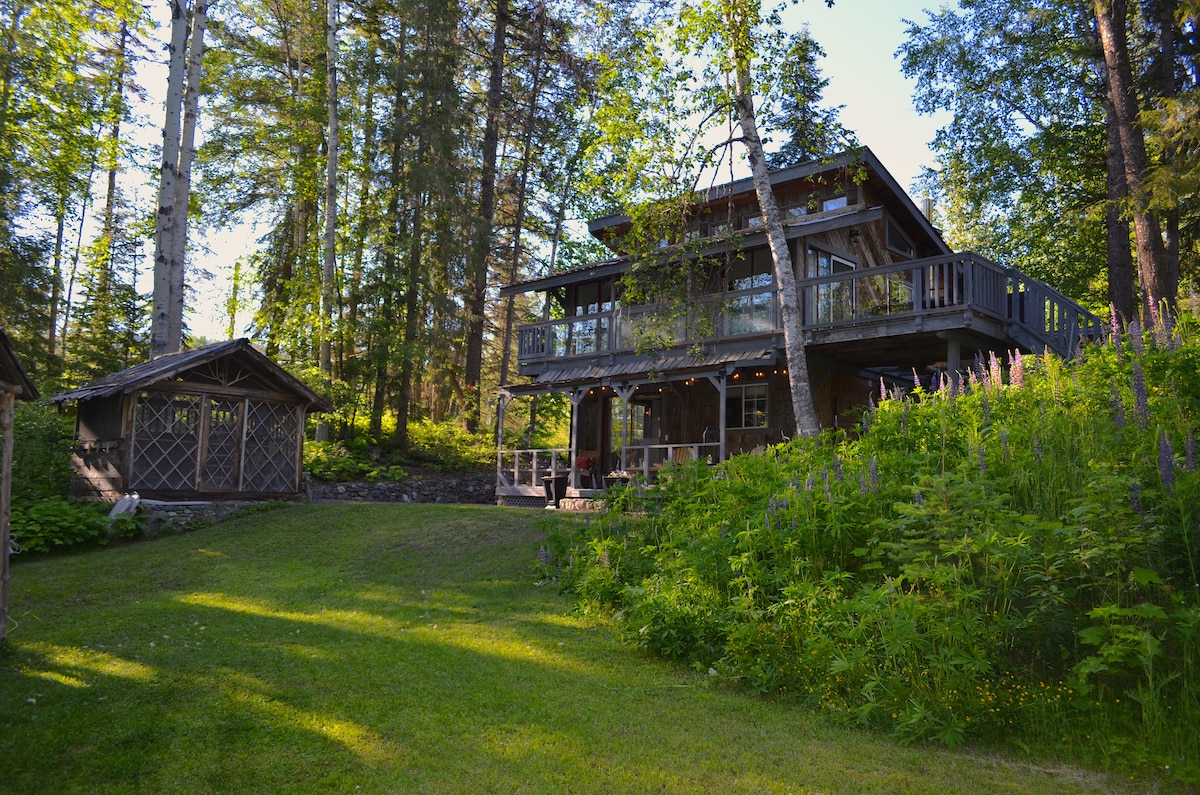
column 531, row 467
column 1039, row 314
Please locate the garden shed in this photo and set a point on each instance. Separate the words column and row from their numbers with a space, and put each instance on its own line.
column 218, row 422
column 13, row 384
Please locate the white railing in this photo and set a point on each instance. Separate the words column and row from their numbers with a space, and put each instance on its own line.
column 531, row 467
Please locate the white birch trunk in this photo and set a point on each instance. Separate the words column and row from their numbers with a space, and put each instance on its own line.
column 331, row 161
column 164, row 232
column 183, row 185
column 785, row 276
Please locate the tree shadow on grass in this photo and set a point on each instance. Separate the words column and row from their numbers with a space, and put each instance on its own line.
column 278, row 671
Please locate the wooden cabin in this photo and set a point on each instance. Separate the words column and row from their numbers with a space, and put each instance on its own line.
column 218, row 422
column 14, row 383
column 880, row 293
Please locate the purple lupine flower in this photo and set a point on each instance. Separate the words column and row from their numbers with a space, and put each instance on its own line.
column 837, row 470
column 866, row 423
column 1016, row 369
column 825, row 481
column 918, row 498
column 916, row 379
column 1037, row 448
column 809, row 484
column 1164, row 330
column 1135, row 498
column 1118, row 408
column 1004, row 443
column 543, row 556
column 862, row 482
column 982, row 462
column 994, row 370
column 1189, row 450
column 883, row 392
column 1136, row 338
column 1166, row 461
column 873, row 473
column 1115, row 322
column 1141, row 402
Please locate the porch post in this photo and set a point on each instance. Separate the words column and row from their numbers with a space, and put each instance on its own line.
column 503, row 397
column 576, row 395
column 718, row 381
column 625, row 392
column 954, row 359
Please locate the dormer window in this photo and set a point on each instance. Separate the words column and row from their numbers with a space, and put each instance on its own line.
column 898, row 241
column 834, row 203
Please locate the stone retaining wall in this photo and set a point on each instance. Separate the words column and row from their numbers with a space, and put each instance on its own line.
column 473, row 489
column 164, row 518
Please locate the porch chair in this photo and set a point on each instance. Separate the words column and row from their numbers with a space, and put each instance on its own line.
column 586, row 464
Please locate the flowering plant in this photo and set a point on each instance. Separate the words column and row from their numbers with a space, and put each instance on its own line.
column 620, row 473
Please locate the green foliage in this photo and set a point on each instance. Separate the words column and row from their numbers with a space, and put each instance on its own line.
column 53, row 524
column 443, row 446
column 1014, row 560
column 42, row 440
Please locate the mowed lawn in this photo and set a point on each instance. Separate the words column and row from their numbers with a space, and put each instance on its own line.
column 393, row 648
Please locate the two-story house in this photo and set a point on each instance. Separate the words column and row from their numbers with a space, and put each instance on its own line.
column 880, row 293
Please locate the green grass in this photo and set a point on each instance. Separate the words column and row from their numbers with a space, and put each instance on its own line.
column 373, row 648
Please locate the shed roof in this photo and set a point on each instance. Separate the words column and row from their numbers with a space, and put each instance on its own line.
column 174, row 365
column 11, row 372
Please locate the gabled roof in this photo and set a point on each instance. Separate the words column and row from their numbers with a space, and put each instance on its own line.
column 897, row 201
column 174, row 365
column 11, row 372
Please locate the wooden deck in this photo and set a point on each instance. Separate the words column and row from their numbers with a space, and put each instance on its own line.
column 897, row 315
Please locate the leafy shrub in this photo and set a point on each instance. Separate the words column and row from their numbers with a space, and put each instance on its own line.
column 42, row 441
column 53, row 524
column 1017, row 560
column 445, row 445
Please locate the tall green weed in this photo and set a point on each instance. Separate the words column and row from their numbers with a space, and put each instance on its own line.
column 1014, row 559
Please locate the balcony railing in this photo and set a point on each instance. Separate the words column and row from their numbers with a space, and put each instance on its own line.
column 916, row 288
column 725, row 315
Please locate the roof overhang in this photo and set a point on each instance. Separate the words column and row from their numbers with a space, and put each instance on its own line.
column 12, row 375
column 175, row 365
column 644, row 370
column 899, row 204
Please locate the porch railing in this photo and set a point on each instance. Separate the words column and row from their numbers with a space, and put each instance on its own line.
column 531, row 467
column 648, row 459
column 1037, row 313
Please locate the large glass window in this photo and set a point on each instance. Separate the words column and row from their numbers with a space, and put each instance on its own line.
column 831, row 301
column 752, row 270
column 746, row 406
column 593, row 297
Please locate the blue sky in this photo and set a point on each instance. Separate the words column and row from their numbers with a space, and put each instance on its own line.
column 860, row 38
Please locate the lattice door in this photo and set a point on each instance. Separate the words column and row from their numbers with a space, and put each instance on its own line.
column 165, row 441
column 270, row 464
column 224, row 444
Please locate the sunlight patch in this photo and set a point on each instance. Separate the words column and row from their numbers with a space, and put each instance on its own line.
column 90, row 660
column 355, row 738
column 365, row 623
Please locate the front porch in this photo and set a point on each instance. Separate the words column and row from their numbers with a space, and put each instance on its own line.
column 724, row 391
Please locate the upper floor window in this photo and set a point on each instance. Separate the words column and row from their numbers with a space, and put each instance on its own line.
column 834, row 203
column 746, row 406
column 593, row 297
column 752, row 270
column 898, row 241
